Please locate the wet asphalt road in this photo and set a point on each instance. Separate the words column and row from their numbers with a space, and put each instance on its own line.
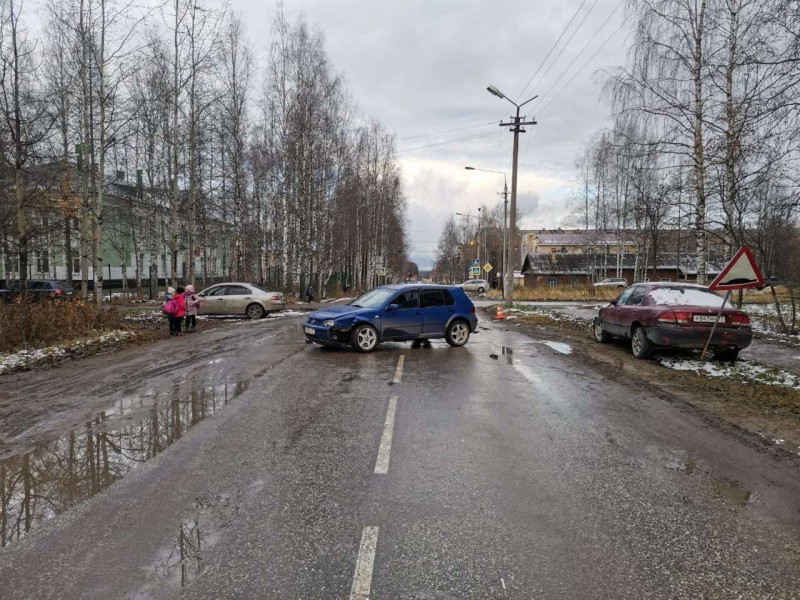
column 515, row 471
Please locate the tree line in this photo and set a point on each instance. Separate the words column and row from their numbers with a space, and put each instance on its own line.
column 705, row 133
column 262, row 155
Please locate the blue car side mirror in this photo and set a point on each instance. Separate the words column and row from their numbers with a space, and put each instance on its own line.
column 392, row 307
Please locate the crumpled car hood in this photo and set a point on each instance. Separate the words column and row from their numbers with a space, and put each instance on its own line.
column 335, row 312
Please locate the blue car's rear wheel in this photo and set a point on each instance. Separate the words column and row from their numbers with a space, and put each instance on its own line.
column 457, row 333
column 365, row 338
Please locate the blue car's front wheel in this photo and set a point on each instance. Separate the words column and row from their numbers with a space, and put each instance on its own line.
column 365, row 338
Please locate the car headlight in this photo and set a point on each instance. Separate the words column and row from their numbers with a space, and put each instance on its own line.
column 329, row 323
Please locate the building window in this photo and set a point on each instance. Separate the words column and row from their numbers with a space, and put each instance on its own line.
column 42, row 263
column 552, row 281
column 76, row 265
column 164, row 264
column 665, row 279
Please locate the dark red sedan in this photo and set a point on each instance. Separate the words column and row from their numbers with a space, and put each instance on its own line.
column 673, row 315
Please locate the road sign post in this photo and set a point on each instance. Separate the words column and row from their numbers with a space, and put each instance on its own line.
column 740, row 273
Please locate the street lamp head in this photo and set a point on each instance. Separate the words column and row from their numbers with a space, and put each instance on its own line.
column 495, row 92
column 470, row 168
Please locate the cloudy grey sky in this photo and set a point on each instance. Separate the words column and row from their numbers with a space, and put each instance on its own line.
column 421, row 67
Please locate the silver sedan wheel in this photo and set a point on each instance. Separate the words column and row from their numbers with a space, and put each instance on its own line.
column 255, row 311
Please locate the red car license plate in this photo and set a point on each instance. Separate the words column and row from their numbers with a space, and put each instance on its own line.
column 707, row 319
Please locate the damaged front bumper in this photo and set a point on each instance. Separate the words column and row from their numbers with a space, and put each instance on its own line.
column 327, row 336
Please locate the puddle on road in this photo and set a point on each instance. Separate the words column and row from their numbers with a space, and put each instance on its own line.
column 509, row 354
column 732, row 491
column 57, row 475
column 505, row 351
column 183, row 562
column 679, row 460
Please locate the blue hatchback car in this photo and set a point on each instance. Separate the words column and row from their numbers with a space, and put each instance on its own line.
column 396, row 313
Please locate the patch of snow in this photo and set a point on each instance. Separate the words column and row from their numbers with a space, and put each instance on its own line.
column 559, row 347
column 686, row 297
column 149, row 316
column 780, row 441
column 286, row 313
column 742, row 370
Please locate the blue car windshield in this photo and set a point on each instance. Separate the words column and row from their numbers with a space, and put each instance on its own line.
column 373, row 298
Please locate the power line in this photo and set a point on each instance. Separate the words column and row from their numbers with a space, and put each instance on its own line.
column 578, row 55
column 413, row 137
column 461, row 139
column 579, row 71
column 553, row 47
column 571, row 37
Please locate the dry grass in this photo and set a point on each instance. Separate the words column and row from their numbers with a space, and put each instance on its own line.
column 31, row 324
column 567, row 292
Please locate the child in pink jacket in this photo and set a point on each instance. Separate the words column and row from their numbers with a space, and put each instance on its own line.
column 192, row 302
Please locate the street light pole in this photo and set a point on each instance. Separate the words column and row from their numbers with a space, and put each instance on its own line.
column 472, row 241
column 504, row 194
column 480, row 234
column 516, row 127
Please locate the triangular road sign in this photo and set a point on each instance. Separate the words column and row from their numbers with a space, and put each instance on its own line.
column 742, row 272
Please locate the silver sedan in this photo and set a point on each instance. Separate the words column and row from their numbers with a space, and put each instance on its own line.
column 239, row 299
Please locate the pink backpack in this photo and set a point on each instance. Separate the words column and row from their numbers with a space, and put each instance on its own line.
column 170, row 307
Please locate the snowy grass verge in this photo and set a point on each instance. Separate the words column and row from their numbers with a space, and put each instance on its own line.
column 742, row 370
column 555, row 315
column 25, row 359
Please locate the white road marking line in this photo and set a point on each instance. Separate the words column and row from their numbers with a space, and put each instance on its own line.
column 385, row 449
column 398, row 374
column 362, row 578
column 503, row 582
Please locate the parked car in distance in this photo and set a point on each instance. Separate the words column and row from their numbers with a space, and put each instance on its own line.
column 673, row 315
column 617, row 282
column 236, row 298
column 396, row 313
column 474, row 285
column 43, row 289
